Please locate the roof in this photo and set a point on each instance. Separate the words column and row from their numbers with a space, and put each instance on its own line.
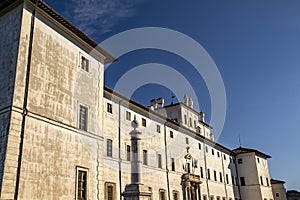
column 274, row 181
column 5, row 4
column 242, row 150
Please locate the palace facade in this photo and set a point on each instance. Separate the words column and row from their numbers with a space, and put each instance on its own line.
column 64, row 135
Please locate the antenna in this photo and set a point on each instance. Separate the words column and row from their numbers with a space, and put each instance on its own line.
column 173, row 96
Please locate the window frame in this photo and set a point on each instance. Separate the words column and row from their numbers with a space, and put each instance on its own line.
column 128, row 115
column 86, row 122
column 109, row 151
column 86, row 171
column 109, row 108
column 83, row 58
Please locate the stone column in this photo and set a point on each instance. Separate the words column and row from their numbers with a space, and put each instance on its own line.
column 136, row 190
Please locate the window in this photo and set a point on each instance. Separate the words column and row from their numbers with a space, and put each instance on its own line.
column 206, row 149
column 84, row 63
column 215, row 175
column 261, row 180
column 277, row 194
column 81, row 183
column 227, row 179
column 211, row 197
column 128, row 152
column 218, row 153
column 208, row 174
column 242, row 179
column 195, row 124
column 224, row 157
column 128, row 115
column 109, row 148
column 185, row 119
column 158, row 128
column 240, row 161
column 267, row 180
column 162, row 194
column 110, row 193
column 83, row 118
column 232, row 179
column 159, row 161
column 258, row 160
column 201, row 172
column 191, row 122
column 171, row 134
column 212, row 152
column 145, row 157
column 144, row 122
column 173, row 164
column 175, row 195
column 221, row 177
column 204, row 197
column 199, row 146
column 109, row 108
column 187, row 140
column 218, row 198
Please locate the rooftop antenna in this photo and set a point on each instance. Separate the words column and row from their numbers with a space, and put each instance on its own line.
column 173, row 96
column 240, row 140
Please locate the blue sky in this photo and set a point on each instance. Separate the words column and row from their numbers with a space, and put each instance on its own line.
column 255, row 45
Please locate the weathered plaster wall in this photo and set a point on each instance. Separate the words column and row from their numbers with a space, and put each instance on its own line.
column 10, row 24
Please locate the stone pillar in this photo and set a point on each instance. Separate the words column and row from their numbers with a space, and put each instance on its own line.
column 136, row 190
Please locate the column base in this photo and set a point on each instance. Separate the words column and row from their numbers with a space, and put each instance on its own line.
column 137, row 192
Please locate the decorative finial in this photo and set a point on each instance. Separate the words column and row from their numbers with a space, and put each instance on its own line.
column 134, row 123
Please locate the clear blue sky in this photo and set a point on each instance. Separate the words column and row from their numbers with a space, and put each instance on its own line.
column 255, row 45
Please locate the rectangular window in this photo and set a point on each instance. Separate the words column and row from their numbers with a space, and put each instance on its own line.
column 109, row 148
column 83, row 118
column 171, row 134
column 128, row 115
column 215, row 175
column 212, row 152
column 187, row 140
column 267, row 180
column 128, row 152
column 206, row 149
column 227, row 179
column 195, row 124
column 81, row 183
column 258, row 160
column 109, row 108
column 240, row 161
column 162, row 194
column 221, row 177
column 144, row 122
column 185, row 119
column 277, row 194
column 173, row 164
column 158, row 128
column 110, row 193
column 199, row 146
column 201, row 172
column 191, row 122
column 145, row 157
column 204, row 197
column 218, row 153
column 224, row 157
column 208, row 174
column 175, row 195
column 242, row 179
column 159, row 164
column 261, row 180
column 84, row 63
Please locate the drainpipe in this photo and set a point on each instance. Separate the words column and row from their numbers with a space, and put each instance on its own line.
column 205, row 163
column 119, row 145
column 25, row 111
column 224, row 176
column 166, row 157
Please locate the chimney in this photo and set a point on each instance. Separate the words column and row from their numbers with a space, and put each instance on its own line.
column 202, row 115
column 185, row 100
column 191, row 103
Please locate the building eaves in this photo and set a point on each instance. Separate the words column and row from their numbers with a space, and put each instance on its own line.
column 242, row 150
column 4, row 4
column 274, row 181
